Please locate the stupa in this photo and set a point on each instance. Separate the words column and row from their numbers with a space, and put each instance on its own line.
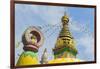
column 65, row 49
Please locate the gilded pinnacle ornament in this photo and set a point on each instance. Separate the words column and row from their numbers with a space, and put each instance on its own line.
column 65, row 45
column 32, row 39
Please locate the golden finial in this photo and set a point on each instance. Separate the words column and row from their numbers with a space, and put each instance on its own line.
column 65, row 19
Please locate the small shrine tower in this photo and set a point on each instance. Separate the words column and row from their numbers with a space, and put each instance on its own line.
column 65, row 45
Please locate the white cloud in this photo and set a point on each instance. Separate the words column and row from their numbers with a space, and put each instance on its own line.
column 50, row 14
column 88, row 42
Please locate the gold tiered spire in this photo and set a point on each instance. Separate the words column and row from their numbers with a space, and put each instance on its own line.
column 65, row 30
column 65, row 45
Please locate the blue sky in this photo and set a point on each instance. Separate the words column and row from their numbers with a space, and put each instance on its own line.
column 81, row 25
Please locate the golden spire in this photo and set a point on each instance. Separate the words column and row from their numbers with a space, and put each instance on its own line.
column 65, row 19
column 65, row 46
column 65, row 30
